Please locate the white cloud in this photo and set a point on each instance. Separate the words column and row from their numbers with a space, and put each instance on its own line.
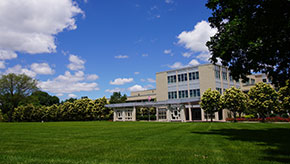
column 203, row 57
column 42, row 68
column 168, row 51
column 136, row 88
column 176, row 65
column 136, row 73
column 149, row 86
column 59, row 95
column 196, row 39
column 7, row 55
column 115, row 90
column 121, row 81
column 187, row 54
column 144, row 55
column 150, row 80
column 72, row 95
column 68, row 77
column 168, row 1
column 68, row 83
column 92, row 77
column 193, row 62
column 121, row 57
column 2, row 65
column 75, row 63
column 30, row 26
column 17, row 69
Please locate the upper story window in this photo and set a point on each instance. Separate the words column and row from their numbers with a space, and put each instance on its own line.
column 171, row 79
column 172, row 95
column 252, row 81
column 183, row 94
column 193, row 75
column 225, row 76
column 182, row 77
column 217, row 74
column 231, row 78
column 194, row 93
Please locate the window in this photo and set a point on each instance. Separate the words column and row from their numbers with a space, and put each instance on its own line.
column 252, row 81
column 119, row 115
column 225, row 76
column 171, row 79
column 182, row 77
column 128, row 114
column 194, row 93
column 172, row 95
column 161, row 114
column 217, row 74
column 183, row 94
column 264, row 80
column 231, row 78
column 193, row 75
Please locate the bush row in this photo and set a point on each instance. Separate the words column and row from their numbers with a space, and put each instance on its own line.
column 79, row 110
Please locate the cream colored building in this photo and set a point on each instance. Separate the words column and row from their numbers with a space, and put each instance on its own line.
column 178, row 92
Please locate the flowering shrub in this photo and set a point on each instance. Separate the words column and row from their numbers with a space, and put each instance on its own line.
column 268, row 119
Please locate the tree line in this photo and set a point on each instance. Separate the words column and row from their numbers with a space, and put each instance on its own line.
column 262, row 100
column 21, row 100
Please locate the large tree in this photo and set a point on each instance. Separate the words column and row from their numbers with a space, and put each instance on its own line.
column 253, row 36
column 235, row 100
column 211, row 102
column 43, row 98
column 118, row 98
column 284, row 96
column 13, row 89
column 263, row 100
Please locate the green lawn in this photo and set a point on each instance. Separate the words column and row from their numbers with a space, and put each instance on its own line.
column 144, row 142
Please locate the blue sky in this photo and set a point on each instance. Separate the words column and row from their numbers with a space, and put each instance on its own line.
column 93, row 47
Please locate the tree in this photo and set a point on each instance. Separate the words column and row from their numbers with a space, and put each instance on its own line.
column 13, row 89
column 253, row 36
column 235, row 100
column 284, row 97
column 43, row 98
column 118, row 98
column 263, row 99
column 211, row 102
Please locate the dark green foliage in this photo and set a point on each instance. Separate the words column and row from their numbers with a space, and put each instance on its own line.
column 69, row 100
column 253, row 35
column 43, row 98
column 284, row 97
column 118, row 98
column 13, row 90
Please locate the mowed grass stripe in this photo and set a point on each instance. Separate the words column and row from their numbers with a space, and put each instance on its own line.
column 142, row 142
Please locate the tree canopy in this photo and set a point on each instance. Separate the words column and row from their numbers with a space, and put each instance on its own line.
column 253, row 36
column 14, row 89
column 235, row 100
column 211, row 102
column 43, row 98
column 118, row 98
column 263, row 99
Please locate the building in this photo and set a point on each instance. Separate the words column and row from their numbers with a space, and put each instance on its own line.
column 178, row 92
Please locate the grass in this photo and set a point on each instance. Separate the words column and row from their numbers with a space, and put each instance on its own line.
column 144, row 142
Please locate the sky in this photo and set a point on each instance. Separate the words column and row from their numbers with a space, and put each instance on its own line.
column 77, row 48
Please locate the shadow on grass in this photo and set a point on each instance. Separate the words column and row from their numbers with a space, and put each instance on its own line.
column 279, row 138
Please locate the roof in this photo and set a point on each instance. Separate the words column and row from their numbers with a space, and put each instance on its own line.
column 152, row 104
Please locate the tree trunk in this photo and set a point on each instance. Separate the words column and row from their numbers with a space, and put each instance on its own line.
column 210, row 117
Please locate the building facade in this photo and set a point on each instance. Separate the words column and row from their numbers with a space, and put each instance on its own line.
column 178, row 92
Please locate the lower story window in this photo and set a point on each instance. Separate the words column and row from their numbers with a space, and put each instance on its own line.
column 161, row 114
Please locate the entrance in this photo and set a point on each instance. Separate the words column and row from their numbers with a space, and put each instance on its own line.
column 196, row 113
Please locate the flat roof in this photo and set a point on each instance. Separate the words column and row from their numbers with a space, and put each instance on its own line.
column 152, row 104
column 178, row 69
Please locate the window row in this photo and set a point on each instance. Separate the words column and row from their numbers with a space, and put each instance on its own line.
column 183, row 77
column 172, row 95
column 194, row 93
column 183, row 94
column 171, row 79
column 193, row 75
